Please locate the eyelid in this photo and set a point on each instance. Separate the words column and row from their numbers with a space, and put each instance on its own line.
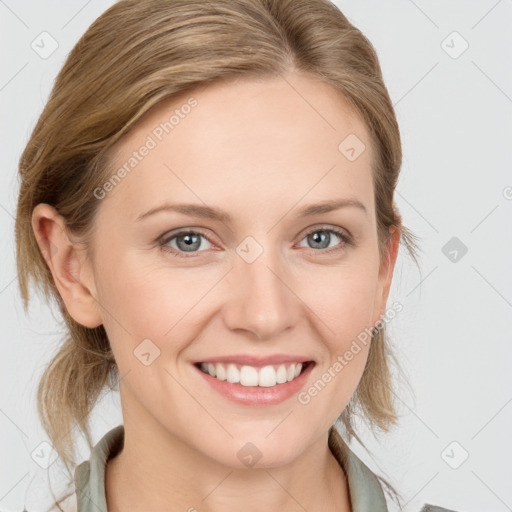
column 325, row 227
column 169, row 235
column 172, row 233
column 347, row 239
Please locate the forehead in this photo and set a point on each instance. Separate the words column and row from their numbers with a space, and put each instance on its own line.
column 255, row 141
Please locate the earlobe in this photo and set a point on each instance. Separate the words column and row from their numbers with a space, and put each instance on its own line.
column 66, row 261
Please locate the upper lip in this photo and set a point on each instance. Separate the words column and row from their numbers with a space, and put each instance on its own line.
column 254, row 360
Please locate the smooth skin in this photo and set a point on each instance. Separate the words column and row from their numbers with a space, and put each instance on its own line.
column 259, row 150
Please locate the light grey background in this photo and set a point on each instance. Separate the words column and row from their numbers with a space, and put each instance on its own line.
column 453, row 336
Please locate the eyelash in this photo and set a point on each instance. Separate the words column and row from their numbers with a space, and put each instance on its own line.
column 347, row 241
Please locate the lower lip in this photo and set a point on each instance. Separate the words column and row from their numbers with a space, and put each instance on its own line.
column 256, row 395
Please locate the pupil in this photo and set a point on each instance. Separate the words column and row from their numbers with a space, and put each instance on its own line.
column 189, row 240
column 316, row 236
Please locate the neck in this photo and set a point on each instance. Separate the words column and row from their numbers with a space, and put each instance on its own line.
column 158, row 472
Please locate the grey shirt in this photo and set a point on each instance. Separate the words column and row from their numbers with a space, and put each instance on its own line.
column 365, row 490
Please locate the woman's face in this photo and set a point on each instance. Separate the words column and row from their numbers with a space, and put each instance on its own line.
column 263, row 281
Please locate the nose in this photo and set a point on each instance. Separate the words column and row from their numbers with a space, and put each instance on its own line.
column 261, row 300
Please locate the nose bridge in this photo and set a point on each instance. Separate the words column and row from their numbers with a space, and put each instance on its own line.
column 262, row 300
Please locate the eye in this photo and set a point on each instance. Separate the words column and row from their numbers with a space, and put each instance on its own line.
column 186, row 242
column 321, row 237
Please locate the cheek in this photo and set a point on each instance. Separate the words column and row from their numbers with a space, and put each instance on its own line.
column 344, row 328
column 155, row 299
column 343, row 299
column 153, row 302
column 139, row 303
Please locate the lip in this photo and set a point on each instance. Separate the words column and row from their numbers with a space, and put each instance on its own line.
column 256, row 361
column 255, row 395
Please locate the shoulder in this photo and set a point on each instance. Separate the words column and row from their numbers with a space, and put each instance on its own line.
column 435, row 508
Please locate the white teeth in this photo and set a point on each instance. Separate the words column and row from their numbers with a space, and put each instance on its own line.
column 232, row 374
column 281, row 374
column 266, row 376
column 248, row 376
column 220, row 371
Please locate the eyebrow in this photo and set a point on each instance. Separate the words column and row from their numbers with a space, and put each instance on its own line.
column 209, row 212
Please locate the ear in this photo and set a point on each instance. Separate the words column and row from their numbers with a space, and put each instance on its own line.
column 387, row 267
column 67, row 263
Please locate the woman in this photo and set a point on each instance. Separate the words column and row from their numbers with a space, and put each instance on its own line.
column 208, row 196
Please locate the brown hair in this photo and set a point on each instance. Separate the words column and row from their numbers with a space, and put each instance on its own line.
column 136, row 54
